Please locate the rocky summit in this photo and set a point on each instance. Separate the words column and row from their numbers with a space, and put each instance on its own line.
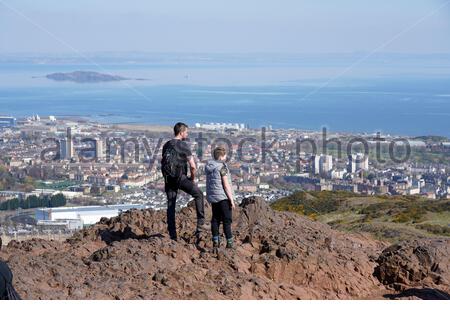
column 277, row 255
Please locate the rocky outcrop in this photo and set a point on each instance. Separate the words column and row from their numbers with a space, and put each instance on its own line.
column 277, row 256
column 84, row 77
column 415, row 264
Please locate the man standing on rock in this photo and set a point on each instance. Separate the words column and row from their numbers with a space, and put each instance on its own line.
column 176, row 156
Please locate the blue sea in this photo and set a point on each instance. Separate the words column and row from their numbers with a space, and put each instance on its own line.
column 283, row 96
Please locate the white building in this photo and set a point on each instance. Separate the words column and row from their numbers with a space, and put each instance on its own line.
column 7, row 122
column 70, row 149
column 357, row 162
column 316, row 164
column 326, row 164
column 88, row 215
column 322, row 164
column 67, row 150
column 72, row 225
column 220, row 126
column 337, row 174
column 413, row 191
column 99, row 150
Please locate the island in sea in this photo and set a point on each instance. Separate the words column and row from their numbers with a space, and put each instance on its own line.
column 85, row 77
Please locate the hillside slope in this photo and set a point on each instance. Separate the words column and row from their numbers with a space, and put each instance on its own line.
column 389, row 218
column 277, row 256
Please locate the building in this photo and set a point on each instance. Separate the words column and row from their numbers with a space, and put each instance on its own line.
column 113, row 188
column 70, row 149
column 326, row 164
column 247, row 188
column 346, row 187
column 71, row 194
column 357, row 162
column 326, row 186
column 70, row 224
column 80, row 177
column 98, row 180
column 7, row 122
column 99, row 150
column 322, row 164
column 43, row 192
column 413, row 191
column 337, row 174
column 67, row 151
column 12, row 194
column 316, row 165
column 83, row 189
column 220, row 126
column 63, row 149
column 88, row 215
column 134, row 183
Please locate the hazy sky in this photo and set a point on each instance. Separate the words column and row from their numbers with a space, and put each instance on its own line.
column 225, row 26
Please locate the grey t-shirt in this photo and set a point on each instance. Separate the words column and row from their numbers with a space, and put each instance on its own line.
column 215, row 170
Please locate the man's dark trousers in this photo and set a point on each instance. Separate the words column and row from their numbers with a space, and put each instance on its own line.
column 187, row 185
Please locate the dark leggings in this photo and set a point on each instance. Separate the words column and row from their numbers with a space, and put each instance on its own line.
column 221, row 212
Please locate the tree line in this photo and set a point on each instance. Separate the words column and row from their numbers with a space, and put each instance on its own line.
column 33, row 201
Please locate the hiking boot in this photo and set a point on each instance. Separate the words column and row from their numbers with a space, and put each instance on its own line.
column 199, row 237
column 202, row 227
column 215, row 247
column 230, row 244
column 200, row 243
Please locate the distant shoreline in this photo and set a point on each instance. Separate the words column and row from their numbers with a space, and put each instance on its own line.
column 158, row 127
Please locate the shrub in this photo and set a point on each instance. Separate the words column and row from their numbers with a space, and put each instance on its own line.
column 435, row 229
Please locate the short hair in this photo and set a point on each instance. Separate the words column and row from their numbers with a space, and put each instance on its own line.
column 219, row 152
column 179, row 127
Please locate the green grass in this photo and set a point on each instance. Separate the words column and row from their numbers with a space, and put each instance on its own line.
column 389, row 218
column 312, row 202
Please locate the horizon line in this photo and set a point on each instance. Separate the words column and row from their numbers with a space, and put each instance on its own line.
column 143, row 52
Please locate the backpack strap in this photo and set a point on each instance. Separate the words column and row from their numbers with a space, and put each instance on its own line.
column 10, row 293
column 4, row 294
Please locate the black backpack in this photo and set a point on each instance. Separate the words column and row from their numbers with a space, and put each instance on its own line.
column 7, row 291
column 170, row 163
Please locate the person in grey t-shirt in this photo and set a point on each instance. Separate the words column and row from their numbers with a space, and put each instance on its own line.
column 219, row 193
